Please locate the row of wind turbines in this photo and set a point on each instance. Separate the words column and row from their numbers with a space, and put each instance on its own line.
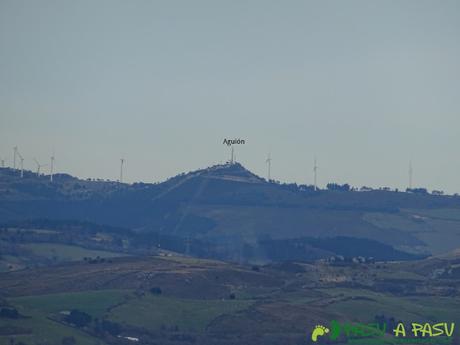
column 18, row 164
column 268, row 161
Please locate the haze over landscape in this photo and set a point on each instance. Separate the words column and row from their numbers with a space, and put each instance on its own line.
column 364, row 86
column 167, row 194
column 220, row 256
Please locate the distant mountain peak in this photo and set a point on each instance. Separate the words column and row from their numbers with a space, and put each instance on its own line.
column 231, row 171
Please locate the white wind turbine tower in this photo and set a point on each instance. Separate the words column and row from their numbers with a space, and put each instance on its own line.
column 315, row 173
column 232, row 155
column 22, row 161
column 15, row 152
column 39, row 166
column 52, row 167
column 269, row 166
column 122, row 161
column 411, row 171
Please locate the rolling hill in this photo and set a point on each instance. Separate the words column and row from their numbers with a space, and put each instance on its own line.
column 229, row 213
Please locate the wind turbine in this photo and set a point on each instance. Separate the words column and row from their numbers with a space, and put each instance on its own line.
column 411, row 171
column 269, row 164
column 232, row 155
column 122, row 161
column 15, row 152
column 39, row 166
column 22, row 161
column 315, row 171
column 52, row 167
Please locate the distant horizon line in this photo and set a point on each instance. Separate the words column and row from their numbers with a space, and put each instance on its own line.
column 353, row 188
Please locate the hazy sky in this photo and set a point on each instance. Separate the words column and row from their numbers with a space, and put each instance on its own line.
column 366, row 86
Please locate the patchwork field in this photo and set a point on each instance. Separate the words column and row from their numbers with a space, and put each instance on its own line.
column 175, row 300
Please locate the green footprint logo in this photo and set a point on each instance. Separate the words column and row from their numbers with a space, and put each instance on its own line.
column 319, row 331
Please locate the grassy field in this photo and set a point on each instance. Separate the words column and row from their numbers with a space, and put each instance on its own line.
column 150, row 312
column 38, row 308
column 191, row 304
column 366, row 304
column 43, row 331
column 94, row 303
column 62, row 252
column 153, row 312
